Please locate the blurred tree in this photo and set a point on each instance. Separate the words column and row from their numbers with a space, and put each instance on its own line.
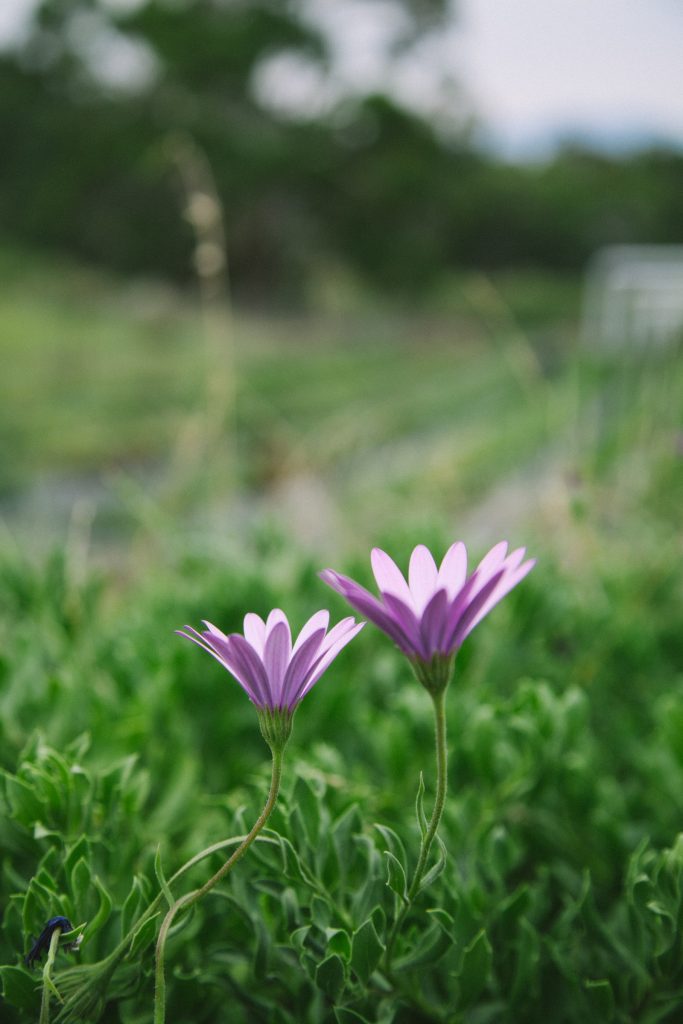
column 94, row 92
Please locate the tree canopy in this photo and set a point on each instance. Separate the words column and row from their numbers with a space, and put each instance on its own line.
column 94, row 93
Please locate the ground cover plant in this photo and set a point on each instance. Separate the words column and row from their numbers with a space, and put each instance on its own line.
column 133, row 767
column 557, row 892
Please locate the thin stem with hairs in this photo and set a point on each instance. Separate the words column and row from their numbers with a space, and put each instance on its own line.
column 187, row 901
column 429, row 835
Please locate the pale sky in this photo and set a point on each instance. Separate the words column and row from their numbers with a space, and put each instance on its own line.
column 532, row 71
column 606, row 67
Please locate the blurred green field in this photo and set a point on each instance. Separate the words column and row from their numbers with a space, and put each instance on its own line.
column 562, row 894
column 108, row 380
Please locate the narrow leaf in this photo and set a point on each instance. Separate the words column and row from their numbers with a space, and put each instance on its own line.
column 143, row 936
column 103, row 911
column 19, row 989
column 474, row 969
column 601, row 998
column 81, row 882
column 396, row 876
column 366, row 950
column 437, row 868
column 330, row 977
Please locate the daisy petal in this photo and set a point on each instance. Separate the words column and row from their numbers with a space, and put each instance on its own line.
column 276, row 656
column 422, row 575
column 453, row 569
column 514, row 559
column 275, row 617
column 409, row 624
column 368, row 605
column 318, row 621
column 433, row 623
column 505, row 585
column 255, row 632
column 336, row 632
column 390, row 579
column 251, row 669
column 299, row 666
column 274, row 676
column 323, row 662
column 490, row 563
column 214, row 630
column 223, row 658
column 479, row 599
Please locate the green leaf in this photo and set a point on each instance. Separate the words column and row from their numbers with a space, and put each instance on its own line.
column 601, row 998
column 24, row 803
column 263, row 948
column 372, row 892
column 666, row 926
column 290, row 907
column 38, row 905
column 366, row 950
column 344, row 829
column 437, row 868
column 12, row 924
column 103, row 911
column 161, row 877
column 19, row 989
column 512, row 907
column 475, row 969
column 132, row 907
column 143, row 935
column 308, row 803
column 394, row 844
column 81, row 882
column 396, row 876
column 292, row 866
column 339, row 941
column 79, row 851
column 345, row 1016
column 330, row 977
column 299, row 936
column 41, row 831
column 422, row 822
column 432, row 942
column 528, row 956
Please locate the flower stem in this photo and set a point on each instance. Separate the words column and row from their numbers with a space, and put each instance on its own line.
column 441, row 785
column 428, row 837
column 48, row 984
column 187, row 901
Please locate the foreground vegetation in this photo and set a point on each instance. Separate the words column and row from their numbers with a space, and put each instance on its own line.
column 560, row 897
column 124, row 751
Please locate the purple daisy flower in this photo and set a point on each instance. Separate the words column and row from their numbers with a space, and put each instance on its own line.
column 275, row 675
column 429, row 616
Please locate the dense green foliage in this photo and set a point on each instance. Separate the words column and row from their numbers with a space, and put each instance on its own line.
column 124, row 751
column 92, row 168
column 558, row 894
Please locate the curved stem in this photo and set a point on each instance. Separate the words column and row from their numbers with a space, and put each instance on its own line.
column 193, row 897
column 432, row 828
column 48, row 984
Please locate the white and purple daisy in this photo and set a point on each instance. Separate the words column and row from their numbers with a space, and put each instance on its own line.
column 275, row 674
column 429, row 615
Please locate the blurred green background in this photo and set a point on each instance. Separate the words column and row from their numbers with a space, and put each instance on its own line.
column 343, row 315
